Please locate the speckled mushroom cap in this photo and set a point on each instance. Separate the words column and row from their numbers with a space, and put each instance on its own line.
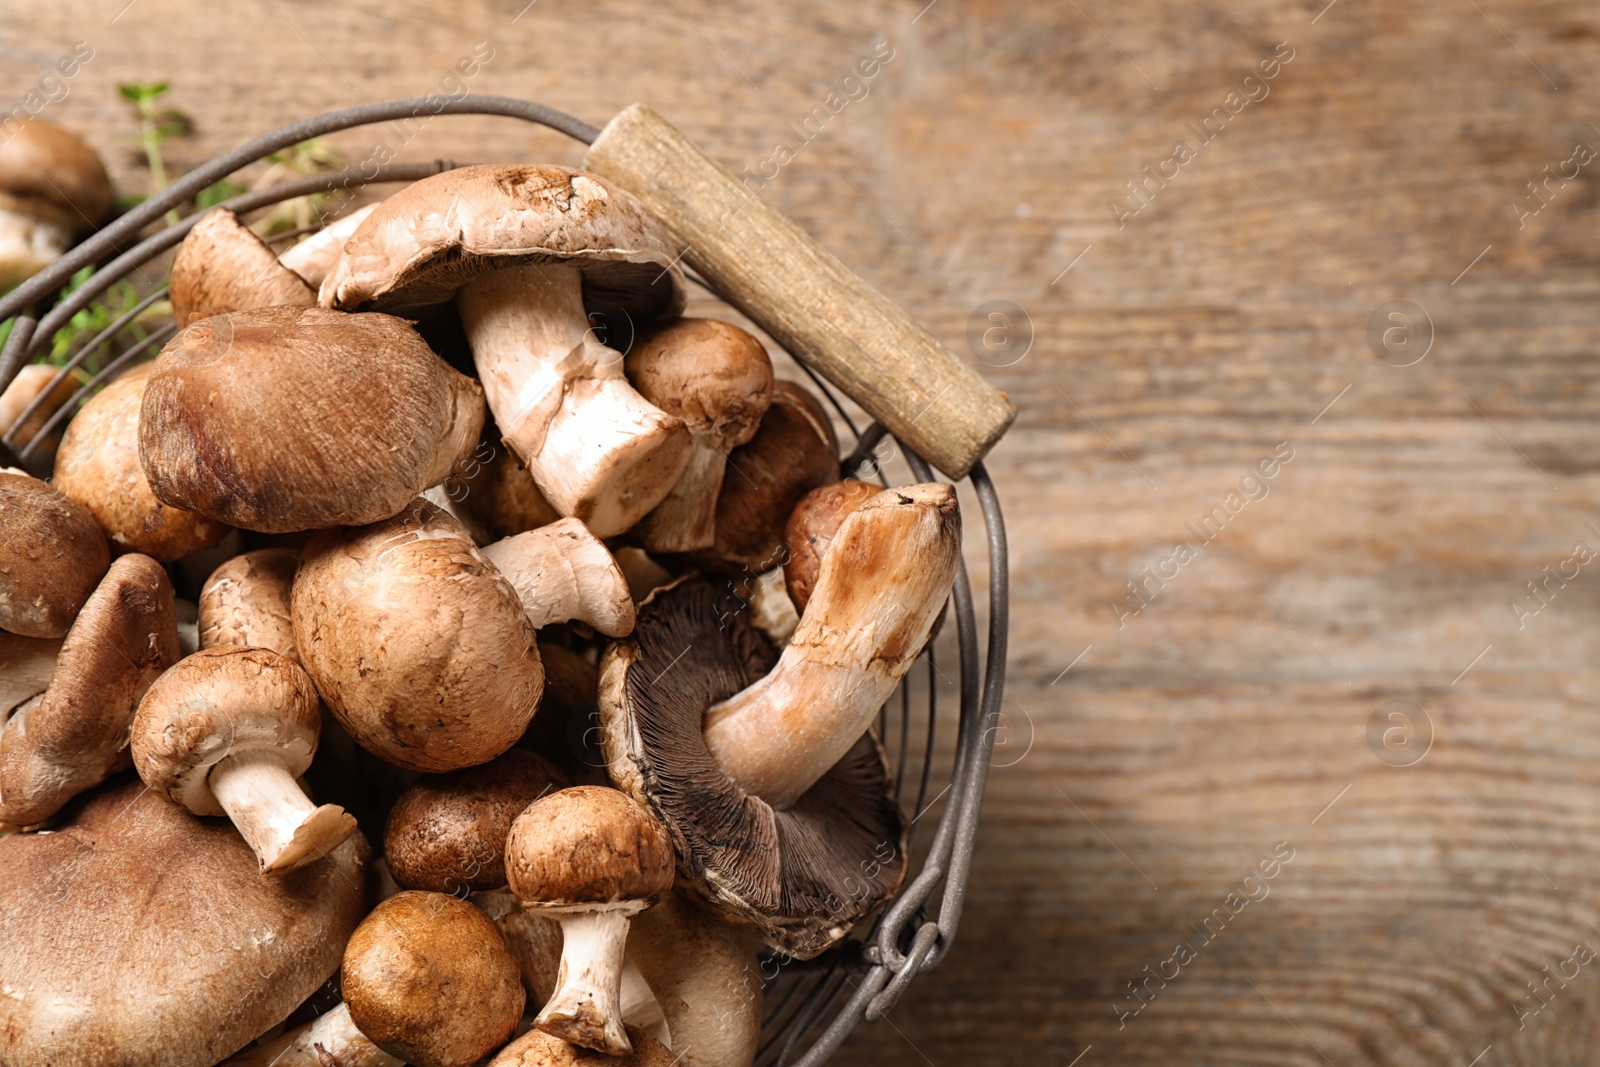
column 800, row 877
column 417, row 644
column 246, row 601
column 43, row 164
column 220, row 702
column 285, row 419
column 538, row 1049
column 223, row 266
column 448, row 833
column 429, row 979
column 812, row 524
column 585, row 848
column 436, row 235
column 98, row 466
column 138, row 936
column 51, row 558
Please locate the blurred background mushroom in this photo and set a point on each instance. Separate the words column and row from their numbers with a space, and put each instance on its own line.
column 53, row 187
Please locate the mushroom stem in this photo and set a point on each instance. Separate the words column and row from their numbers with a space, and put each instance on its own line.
column 273, row 814
column 686, row 518
column 597, row 449
column 28, row 243
column 329, row 1038
column 563, row 572
column 586, row 1008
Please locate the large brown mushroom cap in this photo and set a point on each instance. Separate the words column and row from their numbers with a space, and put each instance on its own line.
column 448, row 833
column 246, row 601
column 587, row 846
column 286, row 419
column 138, row 936
column 428, row 978
column 98, row 466
column 43, row 164
column 801, row 877
column 420, row 648
column 538, row 1049
column 436, row 235
column 223, row 266
column 51, row 558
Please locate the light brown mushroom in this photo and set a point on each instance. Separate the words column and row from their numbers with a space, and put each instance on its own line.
column 313, row 257
column 52, row 187
column 98, row 466
column 74, row 733
column 26, row 387
column 51, row 558
column 718, row 380
column 225, row 732
column 417, row 644
column 562, row 572
column 590, row 858
column 519, row 248
column 390, row 419
column 812, row 524
column 536, row 1049
column 246, row 601
column 222, row 266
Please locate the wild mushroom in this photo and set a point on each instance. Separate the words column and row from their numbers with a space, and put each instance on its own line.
column 536, row 1049
column 52, row 187
column 222, row 266
column 420, row 648
column 590, row 858
column 52, row 557
column 349, row 418
column 811, row 527
column 137, row 936
column 98, row 466
column 705, row 976
column 246, row 601
column 519, row 247
column 448, row 833
column 718, row 380
column 563, row 572
column 313, row 257
column 74, row 734
column 226, row 731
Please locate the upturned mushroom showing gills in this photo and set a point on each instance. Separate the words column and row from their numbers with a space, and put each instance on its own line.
column 52, row 556
column 138, row 936
column 590, row 858
column 74, row 733
column 226, row 731
column 417, row 644
column 562, row 572
column 52, row 187
column 520, row 248
column 98, row 466
column 390, row 419
column 718, row 379
column 223, row 266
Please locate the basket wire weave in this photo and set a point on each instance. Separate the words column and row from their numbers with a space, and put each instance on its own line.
column 803, row 1023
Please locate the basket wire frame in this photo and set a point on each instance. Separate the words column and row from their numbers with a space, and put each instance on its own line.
column 803, row 1024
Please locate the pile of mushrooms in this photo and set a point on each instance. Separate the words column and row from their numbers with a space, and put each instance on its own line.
column 361, row 710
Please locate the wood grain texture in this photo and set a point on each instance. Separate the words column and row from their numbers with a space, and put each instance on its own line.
column 1168, row 357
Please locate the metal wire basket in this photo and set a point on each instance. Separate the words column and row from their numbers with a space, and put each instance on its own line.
column 804, row 1022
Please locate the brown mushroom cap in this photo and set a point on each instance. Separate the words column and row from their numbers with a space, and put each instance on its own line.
column 538, row 1049
column 585, row 847
column 348, row 418
column 138, row 936
column 812, row 524
column 429, row 979
column 434, row 236
column 77, row 734
column 246, row 601
column 420, row 648
column 448, row 833
column 98, row 466
column 223, row 266
column 801, row 877
column 43, row 164
column 52, row 556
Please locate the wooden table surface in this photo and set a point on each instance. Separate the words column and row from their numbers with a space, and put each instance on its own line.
column 1259, row 702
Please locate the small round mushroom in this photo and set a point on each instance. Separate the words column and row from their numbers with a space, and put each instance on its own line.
column 428, row 978
column 98, row 466
column 246, row 601
column 562, row 572
column 226, row 731
column 536, row 1049
column 718, row 380
column 590, row 858
column 137, row 936
column 812, row 524
column 349, row 418
column 74, row 734
column 52, row 187
column 448, row 833
column 519, row 247
column 51, row 558
column 313, row 257
column 222, row 266
column 420, row 648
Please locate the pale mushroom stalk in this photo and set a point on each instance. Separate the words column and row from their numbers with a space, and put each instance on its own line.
column 595, row 447
column 562, row 572
column 272, row 813
column 30, row 242
column 589, row 982
column 883, row 582
column 331, row 1037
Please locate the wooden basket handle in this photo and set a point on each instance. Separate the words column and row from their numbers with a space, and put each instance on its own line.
column 798, row 292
